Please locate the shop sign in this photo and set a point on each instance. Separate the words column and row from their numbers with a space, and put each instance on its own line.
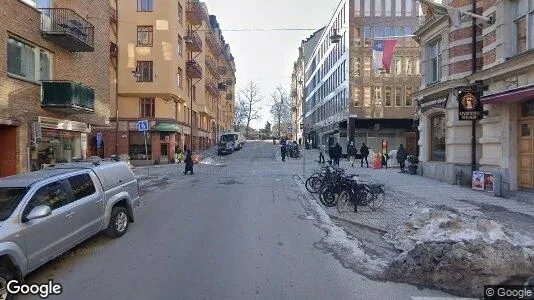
column 51, row 123
column 426, row 105
column 470, row 107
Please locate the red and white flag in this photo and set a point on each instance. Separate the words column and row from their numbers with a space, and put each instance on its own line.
column 383, row 54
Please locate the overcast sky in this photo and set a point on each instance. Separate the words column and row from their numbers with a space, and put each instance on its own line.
column 267, row 57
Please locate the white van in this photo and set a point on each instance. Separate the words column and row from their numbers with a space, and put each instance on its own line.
column 230, row 142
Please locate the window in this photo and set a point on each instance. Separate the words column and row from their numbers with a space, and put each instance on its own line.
column 357, row 36
column 398, row 8
column 179, row 77
column 408, row 96
column 399, row 31
column 82, row 186
column 55, row 195
column 437, row 137
column 523, row 15
column 409, row 66
column 434, row 50
column 408, row 31
column 389, row 31
column 408, row 7
column 417, row 67
column 144, row 5
column 367, row 96
column 379, row 32
column 398, row 66
column 367, row 8
column 144, row 36
column 44, row 65
column 398, row 99
column 180, row 48
column 20, row 59
column 387, row 94
column 378, row 8
column 367, row 36
column 377, row 95
column 180, row 14
column 388, row 8
column 366, row 66
column 145, row 70
column 147, row 107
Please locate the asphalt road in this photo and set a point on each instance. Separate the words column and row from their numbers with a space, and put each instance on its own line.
column 232, row 232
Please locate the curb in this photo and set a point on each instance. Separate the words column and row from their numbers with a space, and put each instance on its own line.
column 337, row 217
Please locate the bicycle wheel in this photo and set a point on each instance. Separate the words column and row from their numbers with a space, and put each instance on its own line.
column 376, row 199
column 309, row 185
column 343, row 203
column 328, row 196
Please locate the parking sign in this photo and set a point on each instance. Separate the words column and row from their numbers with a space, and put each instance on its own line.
column 142, row 125
column 98, row 139
column 290, row 129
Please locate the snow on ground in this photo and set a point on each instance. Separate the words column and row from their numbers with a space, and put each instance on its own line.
column 211, row 161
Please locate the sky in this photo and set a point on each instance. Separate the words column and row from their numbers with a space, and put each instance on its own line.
column 267, row 57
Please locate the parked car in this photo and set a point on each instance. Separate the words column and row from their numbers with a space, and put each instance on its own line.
column 230, row 142
column 47, row 212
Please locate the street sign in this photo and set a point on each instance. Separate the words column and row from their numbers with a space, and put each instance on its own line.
column 470, row 107
column 142, row 125
column 289, row 129
column 98, row 139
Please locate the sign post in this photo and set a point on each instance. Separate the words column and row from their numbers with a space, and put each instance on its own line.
column 143, row 126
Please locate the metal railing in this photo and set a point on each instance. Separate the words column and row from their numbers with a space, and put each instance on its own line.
column 192, row 38
column 66, row 21
column 69, row 94
column 193, row 68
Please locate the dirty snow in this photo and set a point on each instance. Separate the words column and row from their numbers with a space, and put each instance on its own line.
column 211, row 161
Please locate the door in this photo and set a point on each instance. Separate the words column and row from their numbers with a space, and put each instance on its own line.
column 88, row 205
column 526, row 154
column 164, row 158
column 47, row 237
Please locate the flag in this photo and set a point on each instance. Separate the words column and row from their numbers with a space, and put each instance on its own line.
column 383, row 53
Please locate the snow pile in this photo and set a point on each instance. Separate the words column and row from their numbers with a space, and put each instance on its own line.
column 211, row 161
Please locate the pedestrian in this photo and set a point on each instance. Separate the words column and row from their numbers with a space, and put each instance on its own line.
column 188, row 162
column 283, row 150
column 384, row 161
column 322, row 150
column 179, row 155
column 338, row 151
column 274, row 142
column 402, row 155
column 351, row 153
column 364, row 150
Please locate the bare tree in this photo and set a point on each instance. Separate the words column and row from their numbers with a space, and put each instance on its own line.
column 280, row 108
column 239, row 115
column 251, row 97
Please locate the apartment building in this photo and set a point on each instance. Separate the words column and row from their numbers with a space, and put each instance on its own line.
column 168, row 71
column 54, row 80
column 347, row 98
column 505, row 71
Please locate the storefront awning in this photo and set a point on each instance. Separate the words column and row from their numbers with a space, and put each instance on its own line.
column 510, row 96
column 166, row 127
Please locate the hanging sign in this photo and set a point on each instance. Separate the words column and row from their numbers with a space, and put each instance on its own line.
column 469, row 105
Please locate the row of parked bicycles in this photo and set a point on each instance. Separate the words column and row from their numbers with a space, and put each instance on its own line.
column 335, row 188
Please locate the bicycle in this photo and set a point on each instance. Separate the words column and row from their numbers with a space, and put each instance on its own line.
column 360, row 193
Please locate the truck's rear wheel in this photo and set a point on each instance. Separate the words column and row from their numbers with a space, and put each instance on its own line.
column 118, row 222
column 5, row 276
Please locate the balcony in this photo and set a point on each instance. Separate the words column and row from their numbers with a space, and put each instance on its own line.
column 193, row 12
column 193, row 42
column 67, row 29
column 212, row 88
column 223, row 70
column 212, row 67
column 67, row 97
column 211, row 40
column 229, row 97
column 193, row 69
column 112, row 15
column 113, row 50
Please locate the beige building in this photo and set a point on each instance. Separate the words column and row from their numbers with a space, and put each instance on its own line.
column 505, row 71
column 54, row 79
column 169, row 66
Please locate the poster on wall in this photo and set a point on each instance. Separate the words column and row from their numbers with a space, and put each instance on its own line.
column 477, row 181
column 488, row 182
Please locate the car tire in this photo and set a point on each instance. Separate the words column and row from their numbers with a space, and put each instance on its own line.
column 118, row 222
column 5, row 276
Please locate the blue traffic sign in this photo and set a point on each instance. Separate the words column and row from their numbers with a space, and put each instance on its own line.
column 98, row 139
column 290, row 129
column 142, row 125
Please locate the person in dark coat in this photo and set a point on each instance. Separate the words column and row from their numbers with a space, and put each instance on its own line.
column 402, row 155
column 338, row 152
column 364, row 150
column 188, row 162
column 283, row 150
column 351, row 153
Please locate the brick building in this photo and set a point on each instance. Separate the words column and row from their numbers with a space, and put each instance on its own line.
column 504, row 70
column 54, row 80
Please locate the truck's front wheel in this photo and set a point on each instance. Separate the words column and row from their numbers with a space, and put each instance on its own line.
column 118, row 223
column 5, row 276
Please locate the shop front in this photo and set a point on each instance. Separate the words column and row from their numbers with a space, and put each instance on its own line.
column 57, row 141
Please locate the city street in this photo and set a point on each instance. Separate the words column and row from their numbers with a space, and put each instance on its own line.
column 240, row 230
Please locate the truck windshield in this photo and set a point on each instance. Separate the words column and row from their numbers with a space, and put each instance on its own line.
column 9, row 200
column 229, row 138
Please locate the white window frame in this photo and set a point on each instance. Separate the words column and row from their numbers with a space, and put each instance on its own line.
column 523, row 10
column 367, row 8
column 398, row 8
column 434, row 50
column 377, row 95
column 36, row 52
column 378, row 11
column 388, row 8
column 387, row 91
column 367, row 96
column 408, row 8
column 406, row 89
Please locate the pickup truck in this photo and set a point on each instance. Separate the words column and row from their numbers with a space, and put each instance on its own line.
column 45, row 213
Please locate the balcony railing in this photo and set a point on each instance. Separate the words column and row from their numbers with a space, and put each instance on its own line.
column 193, row 12
column 112, row 15
column 223, row 70
column 211, row 40
column 113, row 50
column 67, row 29
column 212, row 88
column 68, row 97
column 212, row 66
column 193, row 69
column 193, row 42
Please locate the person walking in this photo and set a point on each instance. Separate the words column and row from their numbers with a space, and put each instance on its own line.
column 402, row 155
column 364, row 150
column 338, row 152
column 179, row 155
column 274, row 142
column 351, row 153
column 283, row 150
column 188, row 162
column 322, row 150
